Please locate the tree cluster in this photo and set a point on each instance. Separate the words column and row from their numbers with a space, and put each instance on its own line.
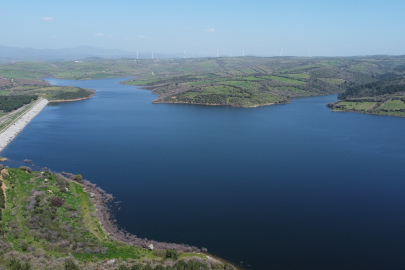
column 11, row 103
column 388, row 84
column 80, row 93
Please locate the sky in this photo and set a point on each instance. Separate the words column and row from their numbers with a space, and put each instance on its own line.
column 300, row 28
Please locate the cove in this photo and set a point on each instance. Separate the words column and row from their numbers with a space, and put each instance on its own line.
column 292, row 186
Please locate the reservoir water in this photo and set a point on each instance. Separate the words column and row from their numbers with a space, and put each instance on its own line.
column 291, row 186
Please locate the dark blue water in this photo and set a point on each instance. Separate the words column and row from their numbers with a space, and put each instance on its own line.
column 278, row 187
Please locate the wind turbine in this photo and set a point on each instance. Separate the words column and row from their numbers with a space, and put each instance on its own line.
column 281, row 51
column 193, row 55
column 184, row 55
column 217, row 52
column 243, row 52
column 309, row 51
column 136, row 54
column 385, row 50
column 152, row 54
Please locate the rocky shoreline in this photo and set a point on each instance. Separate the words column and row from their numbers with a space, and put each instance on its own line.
column 102, row 200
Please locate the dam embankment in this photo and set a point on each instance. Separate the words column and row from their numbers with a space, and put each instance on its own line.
column 15, row 127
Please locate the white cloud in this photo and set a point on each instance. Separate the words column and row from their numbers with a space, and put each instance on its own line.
column 47, row 19
column 102, row 35
column 143, row 37
column 210, row 30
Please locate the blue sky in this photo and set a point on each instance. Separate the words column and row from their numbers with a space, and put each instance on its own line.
column 329, row 28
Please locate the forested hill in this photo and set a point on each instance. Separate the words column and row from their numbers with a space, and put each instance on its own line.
column 234, row 81
column 388, row 83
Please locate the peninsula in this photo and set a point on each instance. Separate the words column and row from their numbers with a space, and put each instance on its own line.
column 22, row 99
column 386, row 96
column 51, row 220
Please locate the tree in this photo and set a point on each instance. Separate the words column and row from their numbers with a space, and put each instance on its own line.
column 136, row 267
column 57, row 201
column 171, row 254
column 15, row 264
column 70, row 265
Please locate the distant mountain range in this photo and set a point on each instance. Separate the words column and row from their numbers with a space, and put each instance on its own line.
column 10, row 54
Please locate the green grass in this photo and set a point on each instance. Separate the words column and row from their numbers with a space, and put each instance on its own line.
column 51, row 92
column 357, row 106
column 244, row 84
column 286, row 80
column 334, row 63
column 23, row 74
column 303, row 67
column 393, row 105
column 4, row 92
column 333, row 81
column 19, row 187
column 298, row 76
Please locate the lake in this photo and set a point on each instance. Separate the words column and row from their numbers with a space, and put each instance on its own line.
column 292, row 186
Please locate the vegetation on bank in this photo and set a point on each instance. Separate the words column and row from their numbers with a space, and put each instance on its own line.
column 384, row 97
column 234, row 81
column 11, row 103
column 49, row 221
column 19, row 92
column 49, row 92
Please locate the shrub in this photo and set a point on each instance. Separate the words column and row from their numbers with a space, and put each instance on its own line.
column 171, row 254
column 27, row 169
column 15, row 264
column 70, row 265
column 78, row 177
column 123, row 267
column 159, row 252
column 57, row 201
column 136, row 267
column 160, row 267
column 24, row 245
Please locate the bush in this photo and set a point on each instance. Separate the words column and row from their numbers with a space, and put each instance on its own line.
column 78, row 177
column 57, row 201
column 15, row 264
column 159, row 252
column 70, row 265
column 27, row 169
column 171, row 254
column 24, row 245
column 123, row 267
column 136, row 267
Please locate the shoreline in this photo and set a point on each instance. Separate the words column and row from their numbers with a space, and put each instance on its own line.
column 15, row 128
column 212, row 104
column 69, row 100
column 104, row 202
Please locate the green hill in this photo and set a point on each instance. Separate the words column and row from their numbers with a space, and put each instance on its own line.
column 49, row 221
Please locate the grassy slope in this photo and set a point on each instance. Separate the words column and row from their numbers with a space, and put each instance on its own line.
column 393, row 107
column 17, row 226
column 186, row 80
